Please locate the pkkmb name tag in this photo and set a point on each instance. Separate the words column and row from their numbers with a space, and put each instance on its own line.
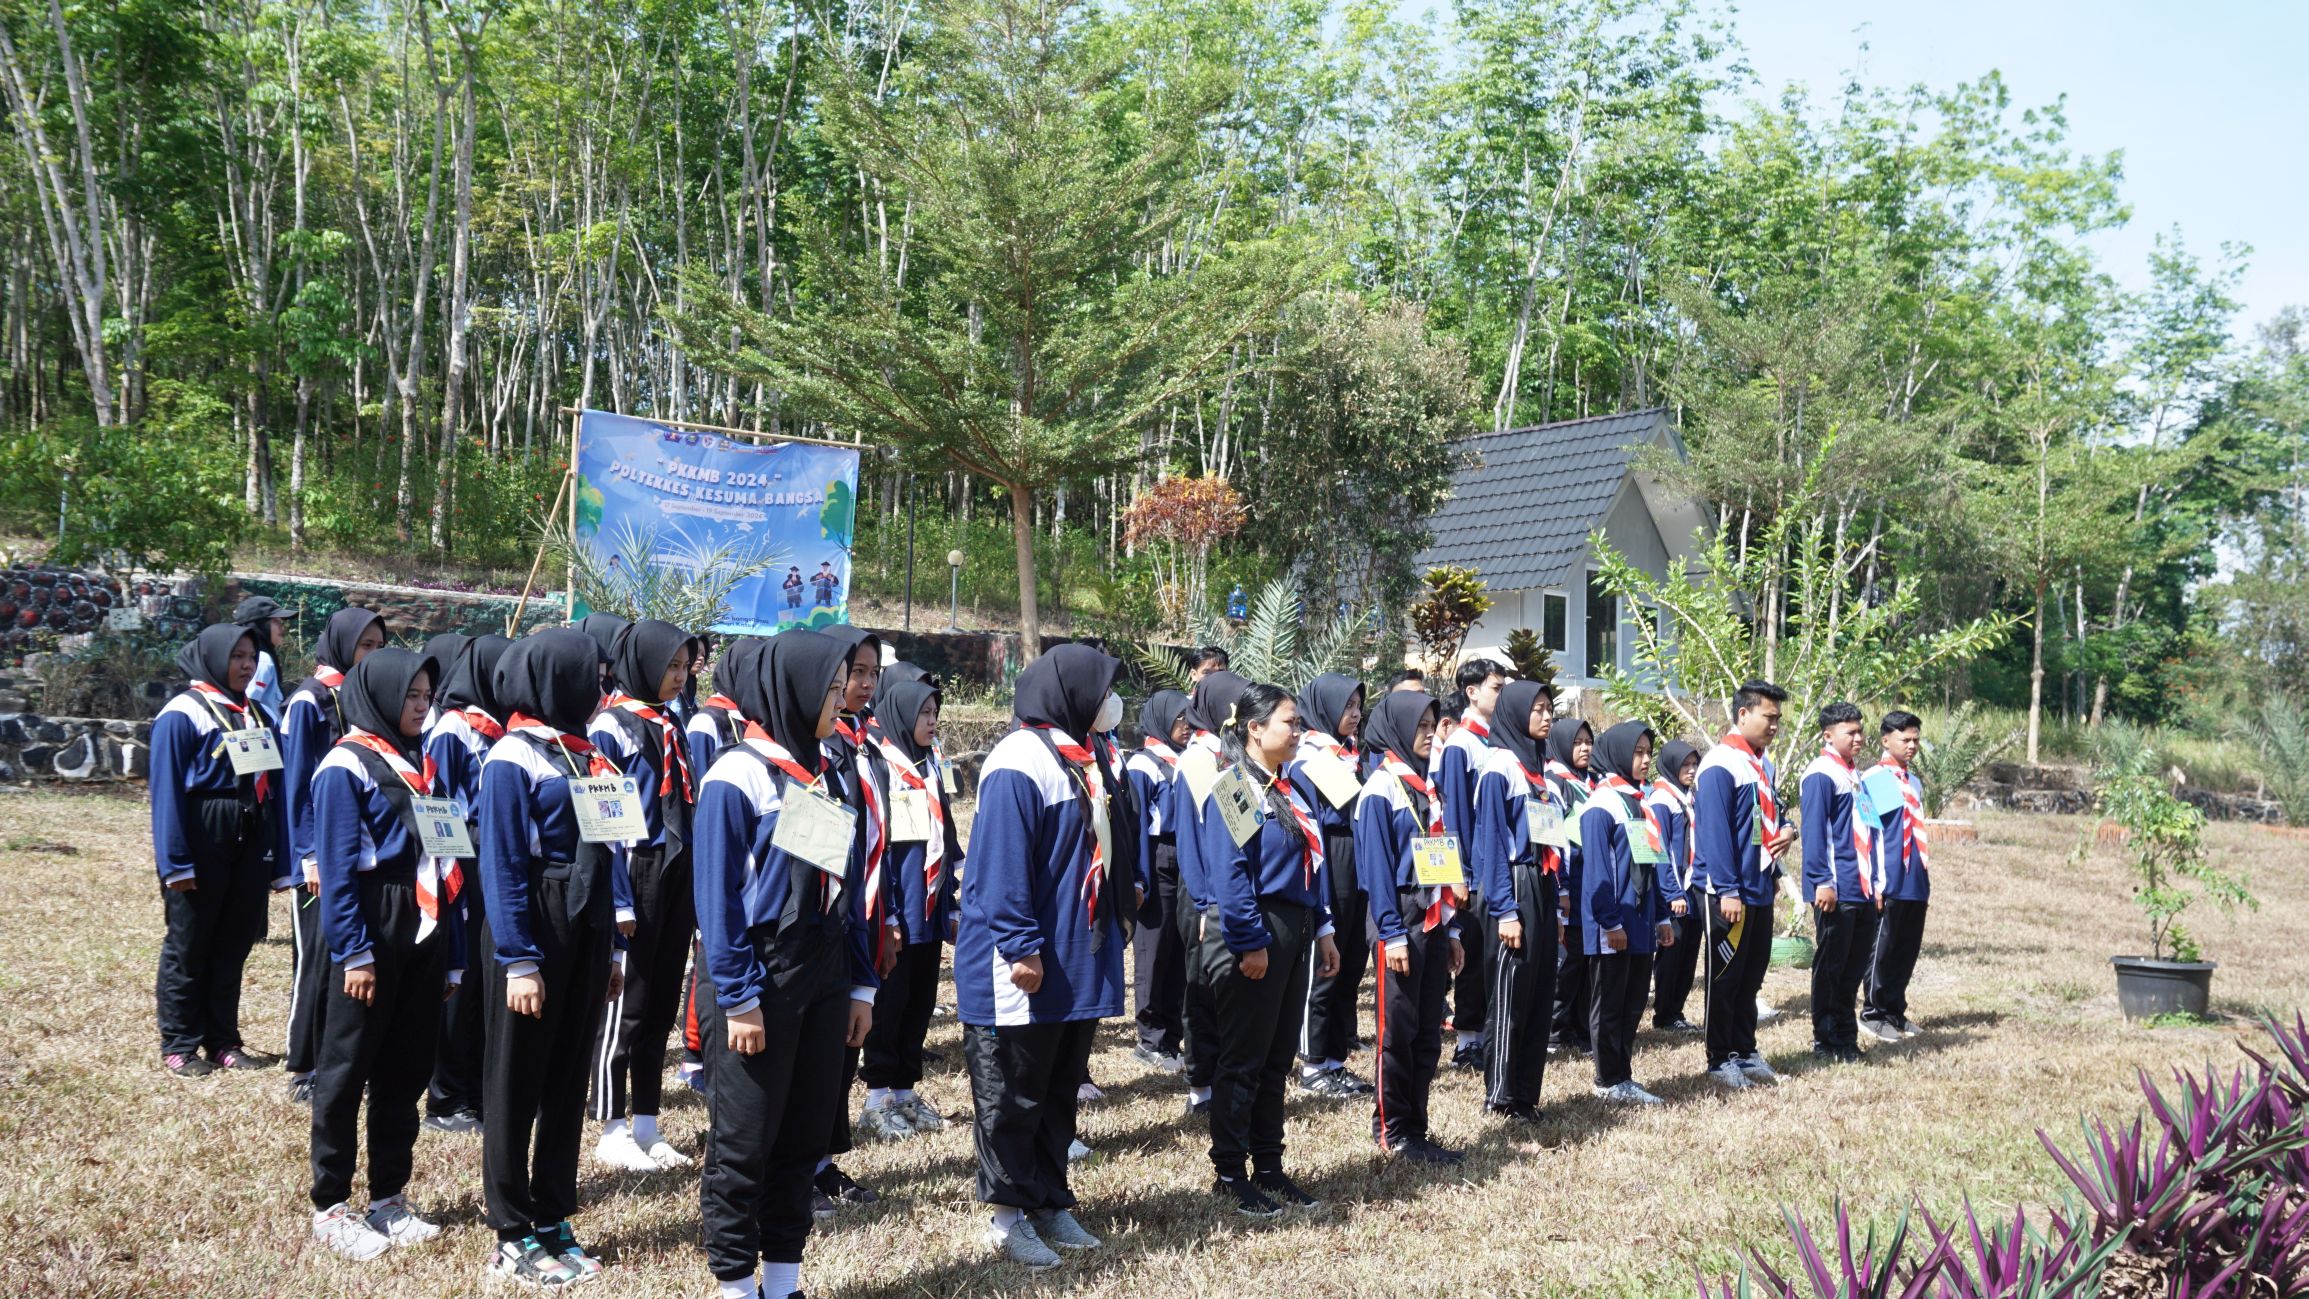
column 1333, row 777
column 1544, row 825
column 608, row 809
column 441, row 827
column 947, row 781
column 252, row 751
column 816, row 829
column 1238, row 806
column 910, row 816
column 1435, row 861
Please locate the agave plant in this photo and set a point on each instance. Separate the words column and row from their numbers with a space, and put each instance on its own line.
column 683, row 581
column 1272, row 645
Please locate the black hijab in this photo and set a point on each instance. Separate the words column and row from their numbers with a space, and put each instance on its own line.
column 603, row 630
column 901, row 671
column 1396, row 720
column 342, row 636
column 784, row 690
column 1672, row 759
column 470, row 679
column 373, row 692
column 1064, row 689
column 1511, row 723
column 1159, row 714
column 208, row 656
column 1562, row 739
column 737, row 660
column 1325, row 699
column 444, row 649
column 641, row 654
column 898, row 707
column 1214, row 701
column 553, row 676
column 1615, row 752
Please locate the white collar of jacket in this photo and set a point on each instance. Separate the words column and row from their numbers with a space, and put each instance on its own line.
column 1838, row 772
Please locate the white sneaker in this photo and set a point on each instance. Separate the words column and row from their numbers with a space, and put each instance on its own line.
column 618, row 1149
column 1757, row 1070
column 662, row 1154
column 1766, row 1011
column 397, row 1222
column 1087, row 1093
column 1730, row 1075
column 1626, row 1093
column 1077, row 1151
column 1021, row 1246
column 344, row 1231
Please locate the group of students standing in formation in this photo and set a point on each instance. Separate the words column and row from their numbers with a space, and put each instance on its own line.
column 775, row 868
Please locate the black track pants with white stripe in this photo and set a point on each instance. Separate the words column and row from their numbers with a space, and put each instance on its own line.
column 629, row 1052
column 1522, row 987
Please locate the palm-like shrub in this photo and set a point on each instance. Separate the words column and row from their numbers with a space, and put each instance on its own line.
column 1274, row 644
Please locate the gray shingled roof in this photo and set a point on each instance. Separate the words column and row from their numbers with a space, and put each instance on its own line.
column 1520, row 512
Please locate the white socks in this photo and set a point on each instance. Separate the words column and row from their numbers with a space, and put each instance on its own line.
column 645, row 1130
column 781, row 1279
column 1006, row 1216
column 1199, row 1094
column 877, row 1098
column 615, row 1128
column 742, row 1288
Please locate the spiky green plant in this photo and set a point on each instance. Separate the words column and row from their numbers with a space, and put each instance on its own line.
column 1956, row 747
column 1274, row 644
column 2280, row 730
column 691, row 588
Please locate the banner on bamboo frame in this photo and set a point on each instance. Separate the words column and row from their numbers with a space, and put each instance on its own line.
column 655, row 500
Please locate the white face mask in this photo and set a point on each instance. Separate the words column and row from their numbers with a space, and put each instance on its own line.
column 1109, row 713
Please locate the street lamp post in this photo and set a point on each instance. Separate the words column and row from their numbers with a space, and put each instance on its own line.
column 954, row 596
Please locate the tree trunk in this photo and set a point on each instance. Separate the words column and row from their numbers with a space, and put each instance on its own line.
column 2036, row 672
column 1029, row 611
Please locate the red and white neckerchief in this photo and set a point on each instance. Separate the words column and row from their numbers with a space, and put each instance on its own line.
column 435, row 885
column 673, row 753
column 1093, row 783
column 1162, row 752
column 485, row 726
column 934, row 852
column 1442, row 901
column 1675, row 795
column 216, row 699
column 1563, row 772
column 1767, row 804
column 328, row 676
column 782, row 758
column 1655, row 837
column 1330, row 744
column 1863, row 847
column 1913, row 845
column 1550, row 856
column 877, row 830
column 597, row 764
column 1476, row 724
column 725, row 703
column 1311, row 846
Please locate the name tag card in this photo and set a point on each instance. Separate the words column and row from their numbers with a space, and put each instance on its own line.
column 608, row 809
column 1435, row 861
column 910, row 816
column 1239, row 806
column 1640, row 849
column 441, row 827
column 252, row 751
column 1543, row 825
column 946, row 780
column 1334, row 779
column 816, row 829
column 1200, row 769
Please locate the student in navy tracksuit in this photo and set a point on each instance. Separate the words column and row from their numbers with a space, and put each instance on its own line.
column 716, row 724
column 788, row 982
column 217, row 843
column 1896, row 800
column 1332, row 709
column 1038, row 949
column 1623, row 910
column 1569, row 751
column 866, row 784
column 1412, row 924
column 636, row 730
column 1670, row 797
column 262, row 616
column 309, row 727
column 466, row 721
column 1515, row 874
column 396, row 944
column 925, row 859
column 1210, row 707
column 1158, row 950
column 548, row 946
column 1737, row 832
column 1842, row 882
column 1459, row 755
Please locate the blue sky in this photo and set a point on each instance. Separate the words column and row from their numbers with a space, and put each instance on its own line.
column 2205, row 100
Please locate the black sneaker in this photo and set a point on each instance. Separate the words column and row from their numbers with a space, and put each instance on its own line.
column 1519, row 1115
column 841, row 1188
column 1279, row 1187
column 1198, row 1109
column 240, row 1057
column 301, row 1090
column 527, row 1261
column 454, row 1121
column 1678, row 1025
column 1156, row 1060
column 822, row 1207
column 1248, row 1199
column 1354, row 1085
column 1325, row 1083
column 1467, row 1055
column 187, row 1066
column 1419, row 1150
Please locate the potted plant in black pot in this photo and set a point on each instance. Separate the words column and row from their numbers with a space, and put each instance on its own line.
column 2165, row 845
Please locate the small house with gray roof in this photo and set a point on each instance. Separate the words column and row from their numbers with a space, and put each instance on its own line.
column 1521, row 513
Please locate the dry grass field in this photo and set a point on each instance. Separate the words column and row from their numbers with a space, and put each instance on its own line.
column 119, row 1180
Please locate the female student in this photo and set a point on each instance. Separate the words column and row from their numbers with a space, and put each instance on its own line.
column 787, row 982
column 1264, row 866
column 310, row 724
column 1332, row 709
column 1158, row 952
column 634, row 729
column 1414, row 923
column 717, row 724
column 1623, row 915
column 466, row 721
column 1569, row 750
column 1670, row 799
column 1516, row 859
column 866, row 786
column 396, row 944
column 925, row 858
column 217, row 841
column 1038, row 949
column 1209, row 709
column 548, row 947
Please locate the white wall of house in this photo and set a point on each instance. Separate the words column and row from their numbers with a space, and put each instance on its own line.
column 1629, row 527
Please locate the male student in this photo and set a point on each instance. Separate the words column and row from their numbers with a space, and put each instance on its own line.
column 1841, row 882
column 1204, row 661
column 1896, row 799
column 1458, row 761
column 1737, row 833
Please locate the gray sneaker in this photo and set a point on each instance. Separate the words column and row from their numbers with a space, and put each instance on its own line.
column 1757, row 1070
column 1020, row 1245
column 1730, row 1075
column 346, row 1232
column 1061, row 1230
column 918, row 1113
column 884, row 1123
column 1626, row 1093
column 1881, row 1030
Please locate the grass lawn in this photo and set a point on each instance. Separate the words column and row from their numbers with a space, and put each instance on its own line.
column 123, row 1181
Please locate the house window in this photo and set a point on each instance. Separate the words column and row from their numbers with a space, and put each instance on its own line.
column 1603, row 626
column 1552, row 622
